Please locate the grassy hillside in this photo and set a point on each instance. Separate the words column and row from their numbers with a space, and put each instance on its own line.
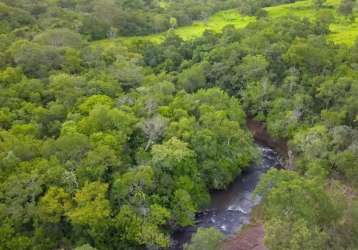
column 215, row 23
column 344, row 31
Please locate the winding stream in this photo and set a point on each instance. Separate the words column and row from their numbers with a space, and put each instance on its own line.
column 231, row 209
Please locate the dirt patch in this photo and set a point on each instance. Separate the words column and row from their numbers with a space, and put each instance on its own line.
column 250, row 238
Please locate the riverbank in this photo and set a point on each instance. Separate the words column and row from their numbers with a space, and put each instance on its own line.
column 231, row 210
column 251, row 237
column 260, row 134
column 236, row 207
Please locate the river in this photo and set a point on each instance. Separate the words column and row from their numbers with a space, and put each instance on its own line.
column 231, row 209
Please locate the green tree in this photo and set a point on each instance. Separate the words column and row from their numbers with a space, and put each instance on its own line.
column 85, row 247
column 183, row 208
column 98, row 162
column 36, row 60
column 10, row 240
column 253, row 68
column 139, row 180
column 347, row 162
column 94, row 100
column 346, row 7
column 310, row 55
column 318, row 3
column 192, row 79
column 137, row 230
column 94, row 28
column 105, row 119
column 54, row 205
column 59, row 38
column 175, row 157
column 281, row 234
column 92, row 207
column 67, row 88
column 129, row 224
column 69, row 149
column 205, row 238
column 312, row 143
column 10, row 75
column 211, row 132
column 173, row 22
column 257, row 98
column 324, row 19
column 291, row 197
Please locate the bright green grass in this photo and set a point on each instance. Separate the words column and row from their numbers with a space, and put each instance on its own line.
column 343, row 31
column 301, row 8
column 215, row 23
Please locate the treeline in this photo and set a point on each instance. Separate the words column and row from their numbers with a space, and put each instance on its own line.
column 250, row 7
column 104, row 19
column 96, row 20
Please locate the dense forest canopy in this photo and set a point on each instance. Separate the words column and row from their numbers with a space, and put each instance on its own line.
column 115, row 146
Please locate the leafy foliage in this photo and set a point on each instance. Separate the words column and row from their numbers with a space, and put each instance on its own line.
column 205, row 239
column 108, row 146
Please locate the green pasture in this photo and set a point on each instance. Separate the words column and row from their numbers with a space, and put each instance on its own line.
column 215, row 23
column 344, row 31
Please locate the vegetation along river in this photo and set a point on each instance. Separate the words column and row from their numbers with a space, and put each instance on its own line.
column 230, row 209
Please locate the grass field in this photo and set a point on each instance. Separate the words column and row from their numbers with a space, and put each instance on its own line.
column 215, row 23
column 343, row 30
column 344, row 34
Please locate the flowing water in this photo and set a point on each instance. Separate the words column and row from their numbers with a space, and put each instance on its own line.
column 231, row 209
